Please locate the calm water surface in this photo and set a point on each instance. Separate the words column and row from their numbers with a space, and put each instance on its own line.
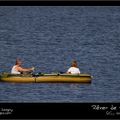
column 48, row 38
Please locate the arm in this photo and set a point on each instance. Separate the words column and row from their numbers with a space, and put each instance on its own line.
column 20, row 69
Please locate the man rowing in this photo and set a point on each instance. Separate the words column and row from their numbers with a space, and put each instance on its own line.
column 17, row 68
column 74, row 68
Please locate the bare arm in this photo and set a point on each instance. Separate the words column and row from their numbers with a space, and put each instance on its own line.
column 20, row 69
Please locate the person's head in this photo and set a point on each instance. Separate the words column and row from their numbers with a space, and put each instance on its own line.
column 74, row 63
column 18, row 62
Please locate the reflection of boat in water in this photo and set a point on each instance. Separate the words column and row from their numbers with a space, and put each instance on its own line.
column 46, row 78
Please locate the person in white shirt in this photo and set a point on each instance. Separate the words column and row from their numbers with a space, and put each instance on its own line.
column 74, row 68
column 17, row 69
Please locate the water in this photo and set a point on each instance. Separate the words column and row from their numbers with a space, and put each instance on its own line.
column 49, row 38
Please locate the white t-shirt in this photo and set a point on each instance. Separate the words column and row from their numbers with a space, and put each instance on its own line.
column 73, row 70
column 14, row 71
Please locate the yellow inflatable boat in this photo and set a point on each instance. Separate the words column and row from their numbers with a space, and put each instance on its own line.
column 47, row 78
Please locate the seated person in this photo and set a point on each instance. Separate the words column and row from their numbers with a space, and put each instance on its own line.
column 17, row 68
column 74, row 68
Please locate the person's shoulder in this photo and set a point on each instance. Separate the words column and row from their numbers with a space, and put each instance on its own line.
column 74, row 68
column 71, row 68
